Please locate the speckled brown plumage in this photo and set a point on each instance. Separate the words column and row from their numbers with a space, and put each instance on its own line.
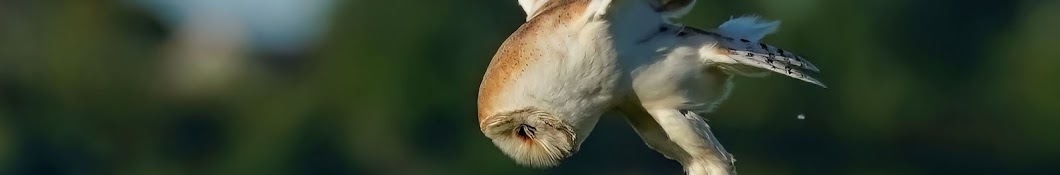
column 521, row 49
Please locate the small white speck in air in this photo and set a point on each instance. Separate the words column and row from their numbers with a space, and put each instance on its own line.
column 801, row 117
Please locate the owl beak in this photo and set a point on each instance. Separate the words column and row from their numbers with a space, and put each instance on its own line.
column 525, row 132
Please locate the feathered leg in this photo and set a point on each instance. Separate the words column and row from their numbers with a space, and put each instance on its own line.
column 653, row 134
column 693, row 135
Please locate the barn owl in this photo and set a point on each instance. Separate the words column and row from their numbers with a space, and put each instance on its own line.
column 574, row 60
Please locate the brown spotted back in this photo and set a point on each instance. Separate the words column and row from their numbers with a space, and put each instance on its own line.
column 524, row 48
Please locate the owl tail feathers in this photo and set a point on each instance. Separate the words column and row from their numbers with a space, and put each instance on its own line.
column 748, row 27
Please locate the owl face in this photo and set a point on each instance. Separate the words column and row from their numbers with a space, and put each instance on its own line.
column 532, row 137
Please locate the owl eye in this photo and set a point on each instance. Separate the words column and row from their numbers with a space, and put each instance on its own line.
column 525, row 132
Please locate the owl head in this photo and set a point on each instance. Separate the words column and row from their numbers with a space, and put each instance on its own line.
column 552, row 79
column 531, row 137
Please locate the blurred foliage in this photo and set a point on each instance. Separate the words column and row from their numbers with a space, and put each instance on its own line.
column 916, row 87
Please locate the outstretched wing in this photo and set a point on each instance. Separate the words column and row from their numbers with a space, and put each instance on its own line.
column 741, row 56
column 739, row 50
column 746, row 52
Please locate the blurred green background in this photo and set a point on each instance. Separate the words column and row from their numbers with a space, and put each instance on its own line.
column 389, row 87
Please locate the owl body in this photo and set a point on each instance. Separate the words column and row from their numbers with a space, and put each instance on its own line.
column 573, row 60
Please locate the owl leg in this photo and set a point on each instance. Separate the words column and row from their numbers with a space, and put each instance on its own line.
column 692, row 134
column 653, row 134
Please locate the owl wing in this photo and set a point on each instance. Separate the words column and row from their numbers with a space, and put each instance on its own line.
column 734, row 47
column 736, row 54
